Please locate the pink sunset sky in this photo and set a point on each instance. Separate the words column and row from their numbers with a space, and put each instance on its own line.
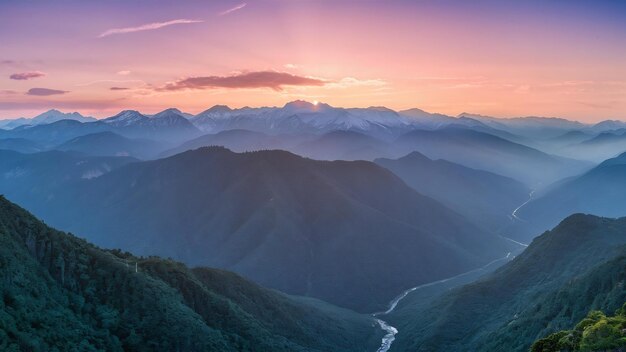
column 500, row 58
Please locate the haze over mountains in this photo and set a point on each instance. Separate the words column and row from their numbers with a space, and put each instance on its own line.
column 305, row 227
column 367, row 209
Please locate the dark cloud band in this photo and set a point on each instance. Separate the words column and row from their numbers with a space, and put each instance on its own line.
column 21, row 76
column 45, row 92
column 260, row 79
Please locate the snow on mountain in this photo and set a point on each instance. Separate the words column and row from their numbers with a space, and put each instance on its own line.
column 126, row 118
column 299, row 116
column 54, row 115
column 47, row 117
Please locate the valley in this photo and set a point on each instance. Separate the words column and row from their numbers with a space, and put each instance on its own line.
column 307, row 208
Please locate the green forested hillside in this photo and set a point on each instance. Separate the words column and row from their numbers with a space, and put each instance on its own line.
column 596, row 332
column 60, row 293
column 578, row 266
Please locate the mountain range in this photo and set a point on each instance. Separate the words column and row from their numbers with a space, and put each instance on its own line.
column 464, row 233
column 351, row 233
column 47, row 117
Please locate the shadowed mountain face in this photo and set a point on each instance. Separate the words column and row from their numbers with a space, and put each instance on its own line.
column 21, row 145
column 487, row 152
column 351, row 233
column 52, row 134
column 343, row 145
column 168, row 126
column 564, row 273
column 37, row 180
column 601, row 191
column 112, row 144
column 239, row 141
column 483, row 197
column 58, row 290
column 597, row 148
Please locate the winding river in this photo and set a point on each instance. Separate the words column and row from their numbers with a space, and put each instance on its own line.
column 390, row 331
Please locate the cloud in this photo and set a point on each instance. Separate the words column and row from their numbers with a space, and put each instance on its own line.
column 292, row 66
column 145, row 27
column 123, row 73
column 261, row 79
column 47, row 104
column 236, row 8
column 347, row 82
column 26, row 75
column 43, row 92
column 119, row 88
column 110, row 81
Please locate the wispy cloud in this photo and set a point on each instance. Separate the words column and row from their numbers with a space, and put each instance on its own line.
column 44, row 92
column 347, row 82
column 110, row 81
column 236, row 8
column 21, row 76
column 124, row 73
column 146, row 27
column 119, row 88
column 261, row 79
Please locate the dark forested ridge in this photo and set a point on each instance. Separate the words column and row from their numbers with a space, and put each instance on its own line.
column 578, row 266
column 58, row 291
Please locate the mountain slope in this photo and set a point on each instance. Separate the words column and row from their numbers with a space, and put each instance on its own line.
column 59, row 292
column 55, row 133
column 600, row 191
column 351, row 233
column 486, row 198
column 577, row 266
column 112, row 144
column 235, row 140
column 490, row 153
column 343, row 145
column 36, row 180
column 20, row 145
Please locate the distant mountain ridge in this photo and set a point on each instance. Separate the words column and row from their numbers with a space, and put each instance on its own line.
column 47, row 117
column 483, row 197
column 600, row 191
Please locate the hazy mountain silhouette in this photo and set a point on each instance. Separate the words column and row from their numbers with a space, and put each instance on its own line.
column 111, row 144
column 351, row 233
column 483, row 197
column 484, row 151
column 600, row 191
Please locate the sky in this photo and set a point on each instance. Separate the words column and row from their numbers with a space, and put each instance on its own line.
column 501, row 58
